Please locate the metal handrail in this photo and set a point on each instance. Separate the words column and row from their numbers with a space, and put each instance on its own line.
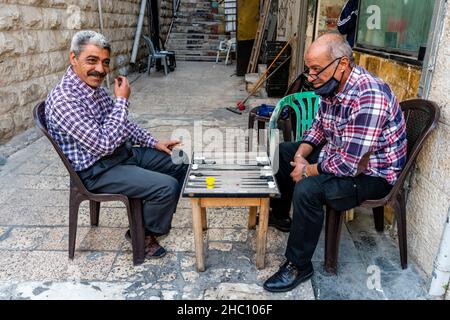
column 175, row 11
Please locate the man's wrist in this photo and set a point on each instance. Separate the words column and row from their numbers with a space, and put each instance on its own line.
column 304, row 173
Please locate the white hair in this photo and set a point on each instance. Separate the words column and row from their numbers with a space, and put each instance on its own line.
column 339, row 47
column 82, row 38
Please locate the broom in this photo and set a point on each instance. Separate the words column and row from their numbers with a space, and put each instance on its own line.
column 241, row 104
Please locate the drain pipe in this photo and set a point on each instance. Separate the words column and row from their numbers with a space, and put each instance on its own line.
column 100, row 12
column 441, row 273
column 137, row 37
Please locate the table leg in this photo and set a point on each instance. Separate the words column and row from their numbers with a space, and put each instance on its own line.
column 262, row 233
column 204, row 221
column 252, row 217
column 198, row 234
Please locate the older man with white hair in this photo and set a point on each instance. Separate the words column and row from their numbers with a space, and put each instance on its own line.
column 100, row 142
column 354, row 151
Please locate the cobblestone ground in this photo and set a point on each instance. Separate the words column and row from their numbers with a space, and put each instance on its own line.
column 34, row 261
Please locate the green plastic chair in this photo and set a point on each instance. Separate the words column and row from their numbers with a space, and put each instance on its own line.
column 304, row 104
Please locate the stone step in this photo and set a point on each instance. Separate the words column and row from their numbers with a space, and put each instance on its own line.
column 190, row 20
column 203, row 47
column 194, row 42
column 201, row 24
column 196, row 58
column 199, row 8
column 196, row 36
column 200, row 15
column 197, row 31
column 213, row 29
column 205, row 53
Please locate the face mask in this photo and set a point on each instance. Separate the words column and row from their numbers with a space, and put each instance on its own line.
column 328, row 88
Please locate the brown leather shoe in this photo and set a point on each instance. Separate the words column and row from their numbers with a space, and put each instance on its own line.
column 153, row 249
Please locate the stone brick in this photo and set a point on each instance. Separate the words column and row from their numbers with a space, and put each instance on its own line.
column 9, row 18
column 6, row 127
column 32, row 18
column 9, row 100
column 52, row 19
column 8, row 46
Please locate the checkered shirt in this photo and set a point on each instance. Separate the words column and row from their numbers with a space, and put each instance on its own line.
column 365, row 117
column 87, row 124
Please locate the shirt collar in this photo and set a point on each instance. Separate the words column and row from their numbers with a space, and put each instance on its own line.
column 75, row 80
column 356, row 72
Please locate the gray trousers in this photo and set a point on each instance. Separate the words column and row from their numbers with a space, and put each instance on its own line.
column 144, row 173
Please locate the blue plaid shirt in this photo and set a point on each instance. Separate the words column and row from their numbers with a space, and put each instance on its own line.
column 87, row 124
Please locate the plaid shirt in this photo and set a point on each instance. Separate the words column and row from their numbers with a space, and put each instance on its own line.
column 87, row 124
column 364, row 117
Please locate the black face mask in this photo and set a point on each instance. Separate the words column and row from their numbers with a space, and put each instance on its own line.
column 327, row 89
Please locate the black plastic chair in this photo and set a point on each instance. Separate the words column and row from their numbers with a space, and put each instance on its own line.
column 421, row 118
column 79, row 193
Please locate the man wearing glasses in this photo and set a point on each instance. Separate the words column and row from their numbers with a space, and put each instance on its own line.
column 354, row 151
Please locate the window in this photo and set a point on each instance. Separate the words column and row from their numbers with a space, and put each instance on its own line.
column 399, row 26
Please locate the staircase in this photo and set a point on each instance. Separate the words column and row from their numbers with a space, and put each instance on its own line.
column 197, row 31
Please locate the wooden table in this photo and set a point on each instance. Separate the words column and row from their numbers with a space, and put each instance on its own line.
column 236, row 185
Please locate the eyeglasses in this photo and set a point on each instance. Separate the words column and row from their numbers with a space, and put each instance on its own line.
column 316, row 75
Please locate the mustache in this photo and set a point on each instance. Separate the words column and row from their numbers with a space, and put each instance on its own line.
column 97, row 74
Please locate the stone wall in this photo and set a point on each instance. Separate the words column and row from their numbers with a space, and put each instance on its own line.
column 429, row 200
column 35, row 39
column 403, row 78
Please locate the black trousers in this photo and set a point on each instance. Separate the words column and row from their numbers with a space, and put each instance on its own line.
column 308, row 197
column 144, row 173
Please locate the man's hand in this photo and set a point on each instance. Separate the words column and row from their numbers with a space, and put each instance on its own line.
column 298, row 159
column 167, row 145
column 122, row 87
column 296, row 174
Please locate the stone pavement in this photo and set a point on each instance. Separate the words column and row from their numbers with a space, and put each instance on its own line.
column 34, row 261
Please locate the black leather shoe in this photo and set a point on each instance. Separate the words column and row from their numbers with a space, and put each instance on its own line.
column 288, row 277
column 282, row 224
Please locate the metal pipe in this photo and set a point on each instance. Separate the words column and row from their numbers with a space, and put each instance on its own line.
column 138, row 32
column 100, row 12
column 441, row 272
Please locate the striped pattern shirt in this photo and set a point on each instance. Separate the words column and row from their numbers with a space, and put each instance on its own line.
column 364, row 118
column 87, row 124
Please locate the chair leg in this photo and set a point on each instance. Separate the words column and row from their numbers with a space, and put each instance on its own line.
column 136, row 222
column 286, row 130
column 261, row 127
column 228, row 54
column 378, row 218
column 164, row 61
column 74, row 205
column 400, row 215
column 94, row 210
column 149, row 64
column 333, row 226
column 251, row 123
